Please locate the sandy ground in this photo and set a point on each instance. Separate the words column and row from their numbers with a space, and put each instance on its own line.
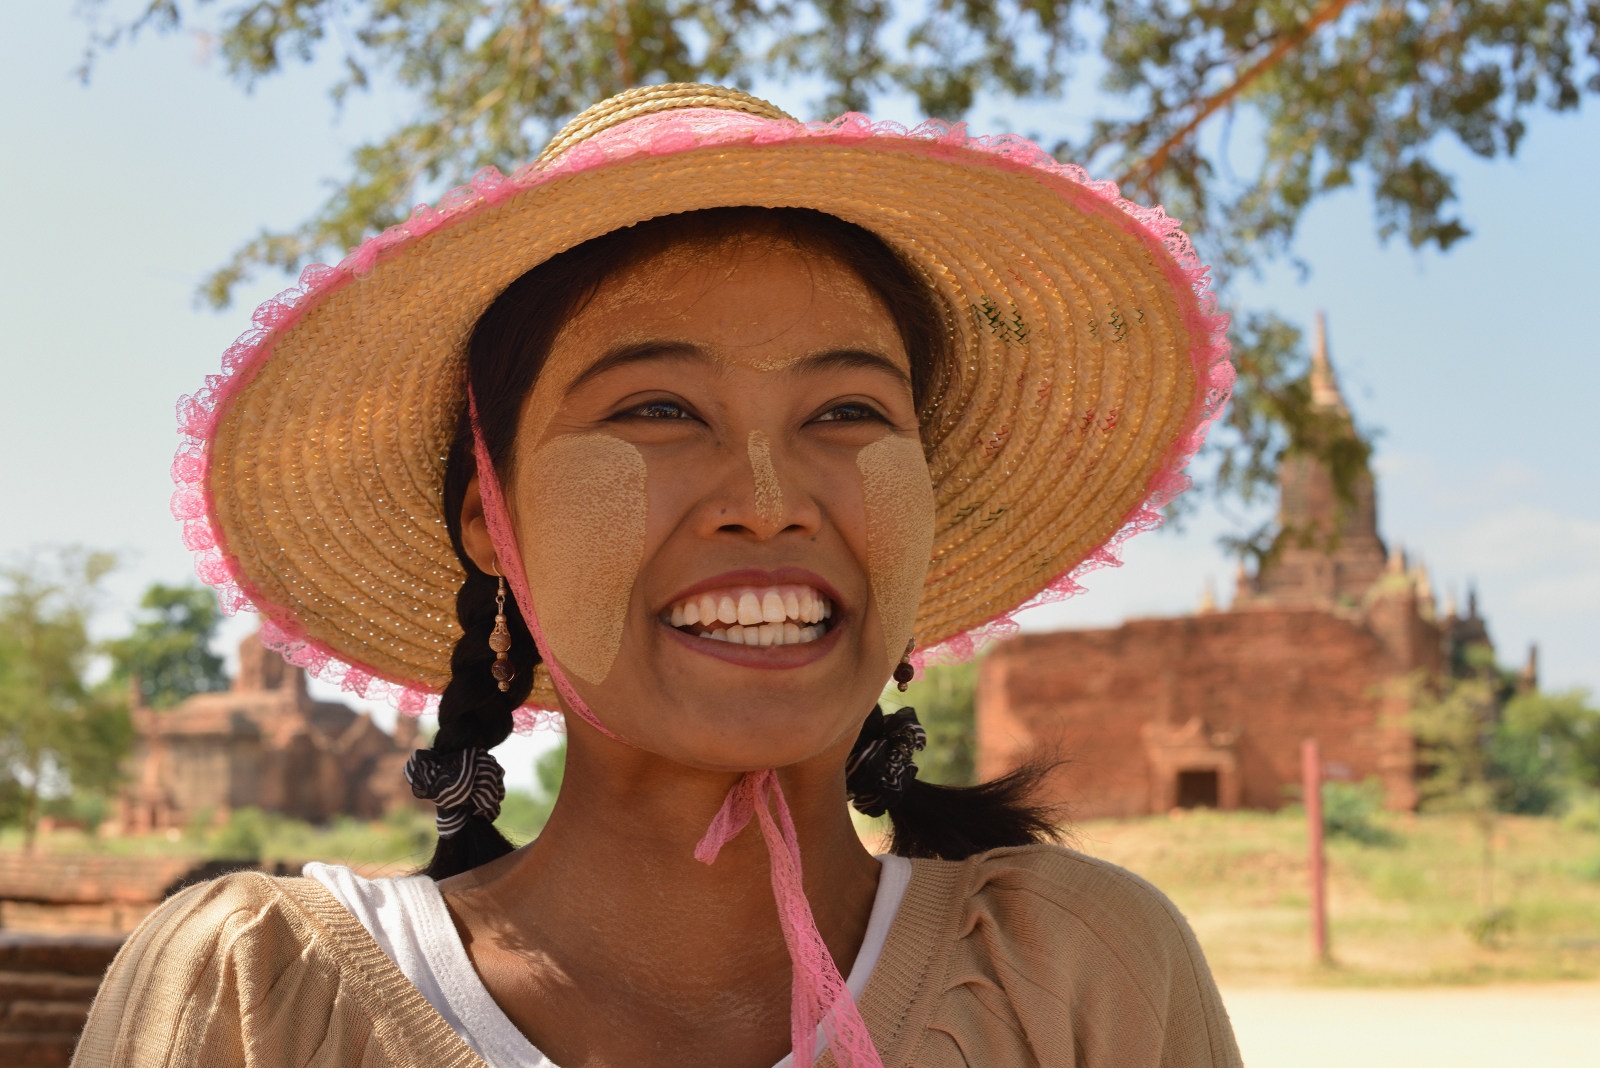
column 1555, row 1026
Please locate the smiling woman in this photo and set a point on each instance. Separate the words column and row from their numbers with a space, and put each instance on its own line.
column 695, row 433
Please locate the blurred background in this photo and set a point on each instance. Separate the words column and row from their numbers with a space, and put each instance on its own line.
column 1392, row 548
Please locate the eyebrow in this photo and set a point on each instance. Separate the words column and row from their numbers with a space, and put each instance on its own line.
column 646, row 351
column 638, row 352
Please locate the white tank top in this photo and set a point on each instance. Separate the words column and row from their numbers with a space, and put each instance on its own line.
column 407, row 917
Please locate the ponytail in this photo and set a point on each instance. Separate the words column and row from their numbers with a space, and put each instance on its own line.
column 943, row 822
column 954, row 822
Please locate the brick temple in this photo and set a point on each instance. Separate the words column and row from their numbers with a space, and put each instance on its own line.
column 1325, row 640
column 263, row 743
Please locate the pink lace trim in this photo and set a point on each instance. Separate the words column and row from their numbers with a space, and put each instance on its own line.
column 664, row 134
column 820, row 997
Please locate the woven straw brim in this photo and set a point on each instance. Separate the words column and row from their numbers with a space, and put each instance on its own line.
column 1081, row 346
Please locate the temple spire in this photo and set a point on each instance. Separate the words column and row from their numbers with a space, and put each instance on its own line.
column 1324, row 386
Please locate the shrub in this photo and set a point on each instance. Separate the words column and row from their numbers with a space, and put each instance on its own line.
column 1349, row 810
column 242, row 837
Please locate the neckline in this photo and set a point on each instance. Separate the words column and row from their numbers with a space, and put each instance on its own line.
column 501, row 1038
column 896, row 1003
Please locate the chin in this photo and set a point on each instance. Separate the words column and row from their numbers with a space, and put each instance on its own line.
column 751, row 730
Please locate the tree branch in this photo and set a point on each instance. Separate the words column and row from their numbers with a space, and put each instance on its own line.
column 1149, row 166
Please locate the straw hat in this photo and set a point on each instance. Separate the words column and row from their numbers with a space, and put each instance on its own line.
column 1091, row 361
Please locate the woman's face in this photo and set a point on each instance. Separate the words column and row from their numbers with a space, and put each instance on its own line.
column 722, row 506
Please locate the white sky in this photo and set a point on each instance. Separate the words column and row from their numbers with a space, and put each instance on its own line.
column 1478, row 367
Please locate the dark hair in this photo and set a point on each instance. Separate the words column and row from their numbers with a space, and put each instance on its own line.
column 505, row 353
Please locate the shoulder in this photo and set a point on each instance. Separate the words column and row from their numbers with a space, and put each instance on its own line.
column 183, row 984
column 1054, row 892
column 1073, row 954
column 242, row 910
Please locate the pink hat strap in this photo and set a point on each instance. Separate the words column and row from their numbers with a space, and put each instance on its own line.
column 498, row 518
column 820, row 997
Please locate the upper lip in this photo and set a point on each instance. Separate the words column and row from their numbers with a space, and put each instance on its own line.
column 750, row 576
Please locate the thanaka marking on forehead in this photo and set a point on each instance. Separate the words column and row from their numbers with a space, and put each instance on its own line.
column 685, row 295
column 627, row 353
column 769, row 488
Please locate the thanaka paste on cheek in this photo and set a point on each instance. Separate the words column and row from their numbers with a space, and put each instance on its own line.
column 581, row 506
column 897, row 492
column 769, row 490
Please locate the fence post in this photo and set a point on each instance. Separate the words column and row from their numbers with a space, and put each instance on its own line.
column 1311, row 785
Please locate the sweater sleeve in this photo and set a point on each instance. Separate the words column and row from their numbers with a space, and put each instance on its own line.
column 221, row 975
column 1064, row 960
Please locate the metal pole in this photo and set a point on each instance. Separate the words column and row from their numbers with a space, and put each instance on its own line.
column 1311, row 783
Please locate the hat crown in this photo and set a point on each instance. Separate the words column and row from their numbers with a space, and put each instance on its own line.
column 652, row 100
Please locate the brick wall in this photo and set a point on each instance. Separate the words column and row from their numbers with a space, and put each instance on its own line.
column 46, row 985
column 1258, row 682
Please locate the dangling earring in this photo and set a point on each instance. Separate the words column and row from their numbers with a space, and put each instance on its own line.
column 903, row 671
column 500, row 638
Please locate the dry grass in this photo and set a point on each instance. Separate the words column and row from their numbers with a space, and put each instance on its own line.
column 1399, row 914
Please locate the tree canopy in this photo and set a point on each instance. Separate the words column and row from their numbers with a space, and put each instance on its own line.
column 169, row 651
column 1236, row 116
column 57, row 731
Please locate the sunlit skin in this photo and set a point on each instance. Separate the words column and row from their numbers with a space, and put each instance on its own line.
column 605, row 941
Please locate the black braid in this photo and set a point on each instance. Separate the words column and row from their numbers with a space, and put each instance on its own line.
column 472, row 710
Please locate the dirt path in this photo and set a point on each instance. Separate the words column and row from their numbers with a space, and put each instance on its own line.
column 1554, row 1026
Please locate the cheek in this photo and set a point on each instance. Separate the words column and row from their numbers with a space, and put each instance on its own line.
column 898, row 496
column 583, row 500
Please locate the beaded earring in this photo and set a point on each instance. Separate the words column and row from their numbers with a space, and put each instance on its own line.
column 500, row 638
column 903, row 671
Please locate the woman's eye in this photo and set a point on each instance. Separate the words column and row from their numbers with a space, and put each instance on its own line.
column 852, row 412
column 657, row 409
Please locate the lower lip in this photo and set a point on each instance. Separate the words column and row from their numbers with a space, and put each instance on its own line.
column 769, row 657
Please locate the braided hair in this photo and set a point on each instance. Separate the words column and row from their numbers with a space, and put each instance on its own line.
column 505, row 353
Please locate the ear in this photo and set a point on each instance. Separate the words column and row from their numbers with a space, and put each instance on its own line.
column 475, row 531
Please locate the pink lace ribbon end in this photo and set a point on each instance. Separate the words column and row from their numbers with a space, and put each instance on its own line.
column 820, row 997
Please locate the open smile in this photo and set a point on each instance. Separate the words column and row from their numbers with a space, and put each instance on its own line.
column 787, row 617
column 788, row 614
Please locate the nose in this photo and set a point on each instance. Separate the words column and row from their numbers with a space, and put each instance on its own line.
column 760, row 499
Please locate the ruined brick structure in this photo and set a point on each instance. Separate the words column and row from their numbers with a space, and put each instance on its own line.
column 1210, row 710
column 263, row 743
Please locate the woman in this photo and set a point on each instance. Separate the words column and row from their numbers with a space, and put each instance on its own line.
column 701, row 425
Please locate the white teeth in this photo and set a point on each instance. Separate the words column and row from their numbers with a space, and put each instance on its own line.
column 785, row 633
column 749, row 608
column 810, row 611
column 774, row 615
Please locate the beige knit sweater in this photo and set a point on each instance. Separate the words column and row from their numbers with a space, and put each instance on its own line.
column 1029, row 956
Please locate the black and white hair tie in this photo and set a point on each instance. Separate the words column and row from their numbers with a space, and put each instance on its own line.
column 881, row 767
column 462, row 783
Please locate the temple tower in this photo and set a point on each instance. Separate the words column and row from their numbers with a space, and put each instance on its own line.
column 1327, row 552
